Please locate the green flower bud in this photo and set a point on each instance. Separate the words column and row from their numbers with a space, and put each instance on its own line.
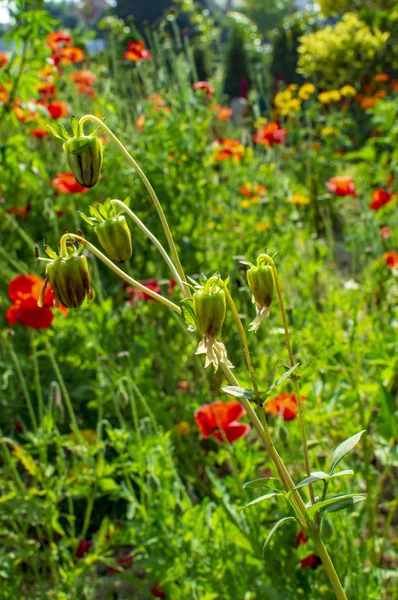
column 210, row 306
column 84, row 156
column 70, row 280
column 261, row 283
column 115, row 238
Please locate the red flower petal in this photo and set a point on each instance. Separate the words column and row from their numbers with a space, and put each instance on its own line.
column 219, row 414
column 233, row 431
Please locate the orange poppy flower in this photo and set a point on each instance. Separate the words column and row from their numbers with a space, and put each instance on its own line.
column 65, row 183
column 58, row 39
column 341, row 186
column 220, row 419
column 391, row 259
column 380, row 94
column 39, row 132
column 46, row 90
column 394, row 85
column 284, row 405
column 84, row 81
column 140, row 122
column 380, row 198
column 24, row 292
column 71, row 55
column 3, row 60
column 228, row 148
column 270, row 134
column 368, row 102
column 204, row 86
column 137, row 52
column 251, row 190
column 58, row 109
column 380, row 77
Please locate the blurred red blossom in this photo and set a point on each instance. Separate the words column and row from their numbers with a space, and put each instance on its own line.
column 312, row 561
column 65, row 183
column 284, row 405
column 229, row 148
column 385, row 233
column 58, row 109
column 39, row 132
column 342, row 185
column 204, row 86
column 24, row 292
column 137, row 52
column 270, row 134
column 153, row 285
column 391, row 259
column 220, row 419
column 379, row 198
column 3, row 60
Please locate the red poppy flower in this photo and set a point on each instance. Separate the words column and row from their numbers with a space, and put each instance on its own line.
column 137, row 52
column 83, row 548
column 312, row 561
column 270, row 134
column 58, row 39
column 18, row 427
column 385, row 233
column 301, row 539
column 20, row 211
column 391, row 259
column 65, row 183
column 151, row 284
column 71, row 55
column 84, row 81
column 58, row 109
column 251, row 190
column 123, row 561
column 39, row 132
column 3, row 60
column 380, row 198
column 46, row 90
column 284, row 405
column 24, row 292
column 341, row 186
column 204, row 86
column 228, row 148
column 157, row 592
column 223, row 113
column 220, row 419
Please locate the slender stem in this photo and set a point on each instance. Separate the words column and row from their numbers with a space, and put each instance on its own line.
column 151, row 192
column 22, row 381
column 37, row 379
column 155, row 241
column 265, row 436
column 329, row 567
column 244, row 342
column 295, row 380
column 121, row 273
column 62, row 385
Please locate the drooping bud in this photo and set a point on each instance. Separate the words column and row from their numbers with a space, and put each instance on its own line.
column 261, row 283
column 112, row 230
column 209, row 305
column 69, row 278
column 210, row 308
column 84, row 153
column 84, row 156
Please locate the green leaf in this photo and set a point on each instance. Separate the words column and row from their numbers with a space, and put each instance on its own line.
column 261, row 499
column 259, row 483
column 238, row 392
column 74, row 123
column 342, row 473
column 316, row 476
column 344, row 448
column 283, row 378
column 188, row 314
column 342, row 504
column 56, row 133
column 320, row 506
column 88, row 220
column 275, row 528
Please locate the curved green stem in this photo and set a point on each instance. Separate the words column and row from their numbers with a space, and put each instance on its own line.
column 328, row 565
column 121, row 273
column 154, row 240
column 295, row 380
column 151, row 192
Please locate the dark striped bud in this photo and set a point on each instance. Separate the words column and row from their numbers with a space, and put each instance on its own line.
column 70, row 280
column 115, row 238
column 84, row 156
column 210, row 307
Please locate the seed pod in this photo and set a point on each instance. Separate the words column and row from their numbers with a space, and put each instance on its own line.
column 70, row 280
column 210, row 306
column 261, row 283
column 115, row 238
column 84, row 156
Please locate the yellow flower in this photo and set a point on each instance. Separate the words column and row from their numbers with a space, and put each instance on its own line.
column 329, row 97
column 218, row 210
column 211, row 225
column 255, row 200
column 245, row 203
column 347, row 91
column 183, row 428
column 293, row 86
column 262, row 226
column 327, row 131
column 260, row 122
column 282, row 98
column 306, row 91
column 299, row 199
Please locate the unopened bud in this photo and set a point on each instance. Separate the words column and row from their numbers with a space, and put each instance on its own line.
column 115, row 238
column 210, row 307
column 261, row 282
column 84, row 156
column 70, row 280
